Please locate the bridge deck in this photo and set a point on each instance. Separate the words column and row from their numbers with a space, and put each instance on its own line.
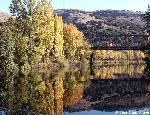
column 120, row 48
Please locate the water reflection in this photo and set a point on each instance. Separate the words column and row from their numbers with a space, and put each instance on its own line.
column 75, row 90
column 118, row 71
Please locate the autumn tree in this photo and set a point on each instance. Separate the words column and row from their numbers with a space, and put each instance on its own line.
column 58, row 40
column 36, row 27
column 74, row 42
column 44, row 30
column 37, row 34
column 59, row 92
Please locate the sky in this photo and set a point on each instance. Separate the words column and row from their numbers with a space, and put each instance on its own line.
column 90, row 5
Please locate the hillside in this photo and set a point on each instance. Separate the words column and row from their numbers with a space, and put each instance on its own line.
column 4, row 16
column 99, row 22
column 102, row 22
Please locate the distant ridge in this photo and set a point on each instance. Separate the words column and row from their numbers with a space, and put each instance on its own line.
column 96, row 23
column 104, row 22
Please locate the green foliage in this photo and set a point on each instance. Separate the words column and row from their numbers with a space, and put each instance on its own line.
column 8, row 67
column 35, row 35
column 41, row 87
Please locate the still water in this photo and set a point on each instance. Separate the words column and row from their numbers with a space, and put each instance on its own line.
column 102, row 90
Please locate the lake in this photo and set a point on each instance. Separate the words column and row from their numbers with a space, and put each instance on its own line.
column 108, row 89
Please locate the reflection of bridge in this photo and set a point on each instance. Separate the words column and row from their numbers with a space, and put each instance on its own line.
column 120, row 42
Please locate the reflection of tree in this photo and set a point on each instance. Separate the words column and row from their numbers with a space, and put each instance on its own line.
column 116, row 56
column 147, row 70
column 74, row 85
column 43, row 92
column 73, row 96
column 42, row 99
column 112, row 71
column 9, row 92
column 147, row 77
column 15, row 92
column 21, row 90
column 59, row 91
column 70, row 81
column 148, row 89
column 49, row 93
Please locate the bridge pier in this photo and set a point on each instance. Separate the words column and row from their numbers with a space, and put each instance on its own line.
column 92, row 59
column 92, row 63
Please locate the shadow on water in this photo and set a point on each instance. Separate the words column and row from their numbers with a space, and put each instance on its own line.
column 110, row 89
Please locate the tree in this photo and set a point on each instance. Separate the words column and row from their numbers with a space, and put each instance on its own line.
column 35, row 25
column 7, row 43
column 73, row 41
column 146, row 18
column 43, row 18
column 58, row 40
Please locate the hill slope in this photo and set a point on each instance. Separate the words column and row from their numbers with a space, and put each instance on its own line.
column 103, row 22
column 4, row 17
column 97, row 23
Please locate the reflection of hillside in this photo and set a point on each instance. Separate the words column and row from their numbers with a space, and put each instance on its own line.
column 112, row 95
column 118, row 71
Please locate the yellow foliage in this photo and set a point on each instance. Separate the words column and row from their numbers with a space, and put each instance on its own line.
column 58, row 40
column 43, row 28
column 41, row 87
column 59, row 91
column 73, row 40
column 111, row 72
column 119, row 54
column 74, row 96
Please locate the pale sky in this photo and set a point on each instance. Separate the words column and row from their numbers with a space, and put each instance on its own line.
column 89, row 5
